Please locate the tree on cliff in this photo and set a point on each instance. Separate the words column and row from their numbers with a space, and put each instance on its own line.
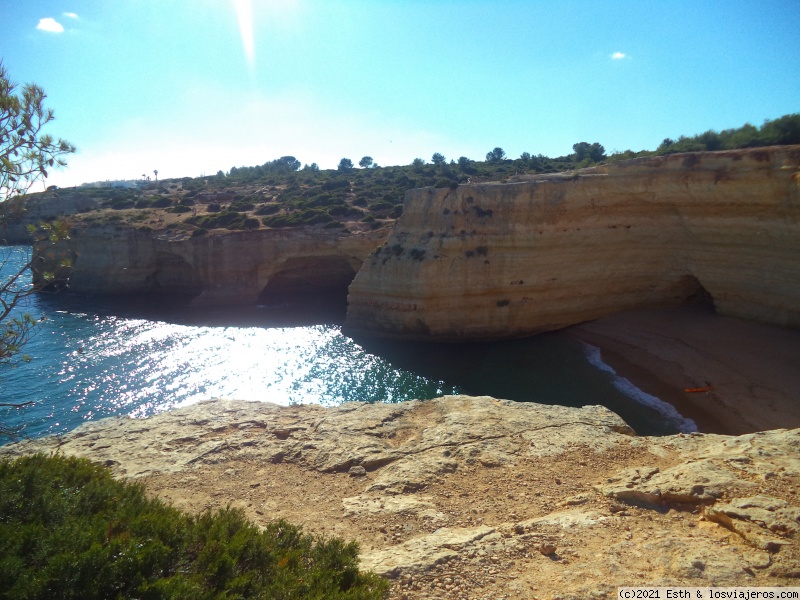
column 366, row 162
column 345, row 164
column 284, row 164
column 26, row 154
column 594, row 152
column 495, row 155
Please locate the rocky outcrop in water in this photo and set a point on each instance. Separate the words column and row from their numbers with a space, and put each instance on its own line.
column 477, row 497
column 505, row 260
column 272, row 266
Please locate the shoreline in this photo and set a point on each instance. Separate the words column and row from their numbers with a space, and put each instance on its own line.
column 753, row 369
column 665, row 407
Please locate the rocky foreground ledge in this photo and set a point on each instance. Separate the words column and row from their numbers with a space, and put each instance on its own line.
column 473, row 497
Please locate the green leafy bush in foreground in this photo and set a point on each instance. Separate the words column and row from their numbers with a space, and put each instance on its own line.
column 69, row 530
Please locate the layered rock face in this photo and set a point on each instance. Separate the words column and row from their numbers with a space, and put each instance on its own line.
column 238, row 268
column 506, row 260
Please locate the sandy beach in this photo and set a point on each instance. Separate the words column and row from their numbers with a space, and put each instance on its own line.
column 752, row 370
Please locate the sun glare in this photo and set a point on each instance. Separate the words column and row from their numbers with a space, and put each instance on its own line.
column 244, row 14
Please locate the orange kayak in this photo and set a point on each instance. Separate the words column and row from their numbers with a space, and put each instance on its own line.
column 697, row 390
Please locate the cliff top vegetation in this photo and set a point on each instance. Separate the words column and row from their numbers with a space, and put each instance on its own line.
column 281, row 193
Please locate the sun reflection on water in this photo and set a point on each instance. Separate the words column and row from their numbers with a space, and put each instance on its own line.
column 86, row 366
column 92, row 358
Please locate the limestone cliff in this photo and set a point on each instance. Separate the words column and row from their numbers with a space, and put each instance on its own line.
column 476, row 497
column 503, row 260
column 18, row 214
column 238, row 268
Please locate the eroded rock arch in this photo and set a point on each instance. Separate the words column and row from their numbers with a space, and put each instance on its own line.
column 310, row 281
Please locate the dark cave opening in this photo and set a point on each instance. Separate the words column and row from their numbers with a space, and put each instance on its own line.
column 310, row 288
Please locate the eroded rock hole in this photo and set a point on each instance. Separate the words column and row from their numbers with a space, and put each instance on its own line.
column 313, row 287
column 174, row 279
column 694, row 293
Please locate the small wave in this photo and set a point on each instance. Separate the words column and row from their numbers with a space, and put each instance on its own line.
column 683, row 424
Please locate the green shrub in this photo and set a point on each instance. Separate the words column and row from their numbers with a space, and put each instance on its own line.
column 199, row 232
column 323, row 200
column 213, row 208
column 267, row 209
column 277, row 221
column 241, row 206
column 381, row 206
column 227, row 219
column 320, row 218
column 161, row 201
column 69, row 530
column 120, row 203
column 336, row 184
column 309, row 216
column 344, row 210
column 179, row 209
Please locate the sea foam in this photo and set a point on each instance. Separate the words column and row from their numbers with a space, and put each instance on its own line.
column 682, row 423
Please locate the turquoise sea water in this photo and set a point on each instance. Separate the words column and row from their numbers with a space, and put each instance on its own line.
column 95, row 357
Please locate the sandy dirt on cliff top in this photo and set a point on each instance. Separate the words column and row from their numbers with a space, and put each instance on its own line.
column 752, row 370
column 618, row 544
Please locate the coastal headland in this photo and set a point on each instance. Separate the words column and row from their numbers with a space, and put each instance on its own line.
column 485, row 261
column 509, row 260
column 682, row 269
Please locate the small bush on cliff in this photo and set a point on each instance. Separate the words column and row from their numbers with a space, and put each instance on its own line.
column 267, row 209
column 161, row 201
column 69, row 530
column 226, row 219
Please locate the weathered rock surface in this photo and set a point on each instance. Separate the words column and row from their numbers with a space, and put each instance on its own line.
column 477, row 497
column 237, row 268
column 403, row 446
column 761, row 520
column 507, row 260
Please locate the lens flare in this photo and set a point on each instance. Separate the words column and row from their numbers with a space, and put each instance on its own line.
column 244, row 14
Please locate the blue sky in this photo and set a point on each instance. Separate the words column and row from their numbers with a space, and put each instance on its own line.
column 194, row 86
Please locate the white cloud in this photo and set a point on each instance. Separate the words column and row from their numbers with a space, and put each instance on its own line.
column 70, row 15
column 51, row 25
column 619, row 56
